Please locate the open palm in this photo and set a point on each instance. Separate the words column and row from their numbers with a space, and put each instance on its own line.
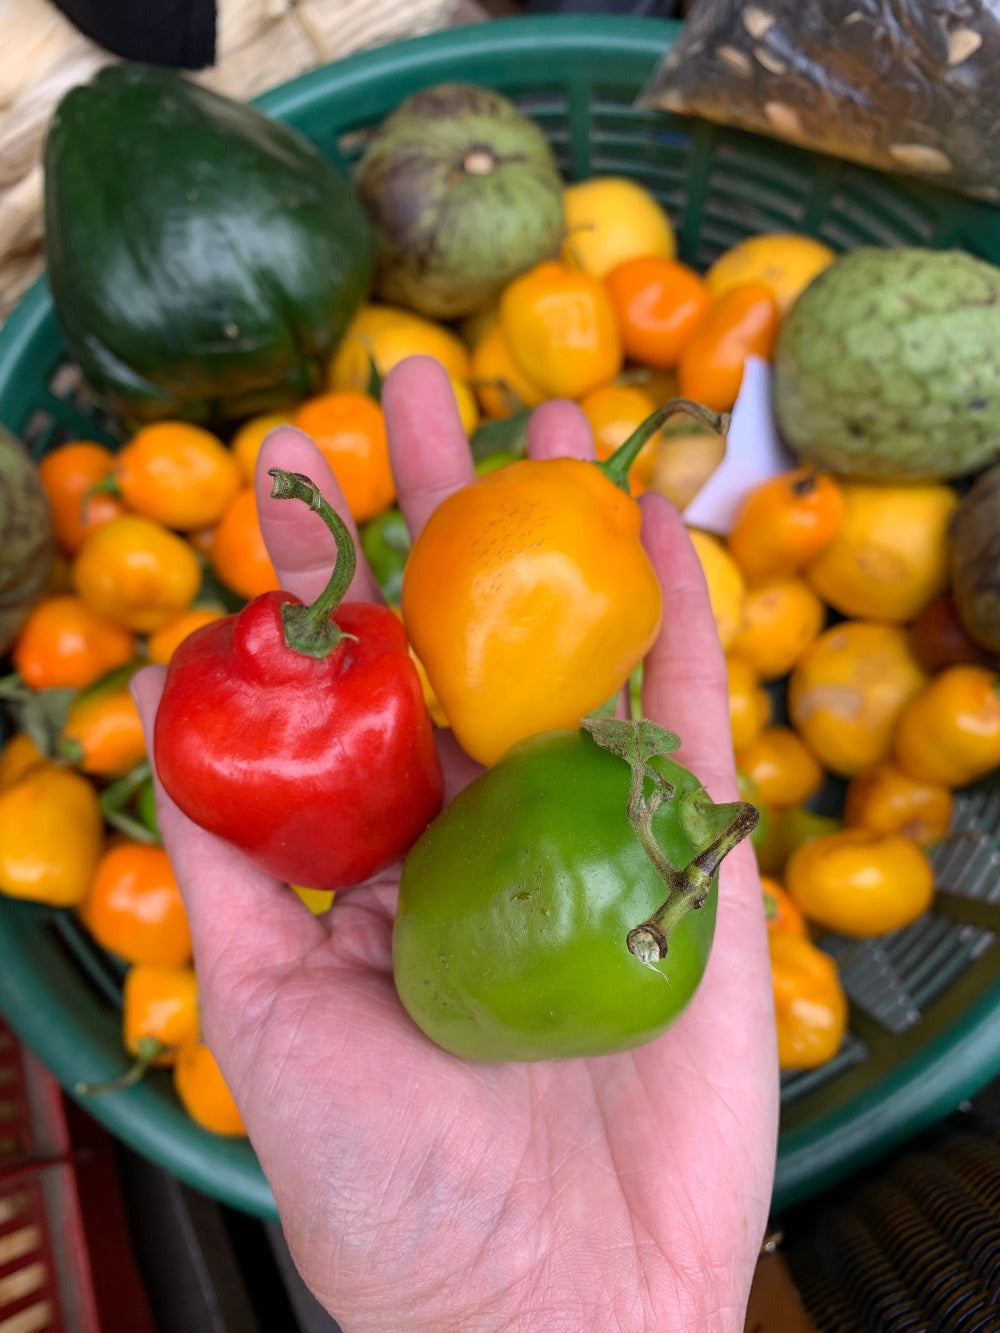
column 419, row 1192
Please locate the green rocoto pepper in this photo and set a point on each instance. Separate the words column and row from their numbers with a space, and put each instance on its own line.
column 564, row 904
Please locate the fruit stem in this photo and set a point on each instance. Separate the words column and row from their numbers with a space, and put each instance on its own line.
column 148, row 1051
column 311, row 630
column 639, row 742
column 616, row 467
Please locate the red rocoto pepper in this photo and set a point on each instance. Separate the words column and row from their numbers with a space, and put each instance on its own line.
column 299, row 733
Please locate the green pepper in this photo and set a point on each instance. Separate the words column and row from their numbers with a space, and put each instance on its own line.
column 564, row 903
column 385, row 544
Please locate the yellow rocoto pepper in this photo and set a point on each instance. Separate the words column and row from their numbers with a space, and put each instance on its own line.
column 528, row 596
column 810, row 1007
column 51, row 834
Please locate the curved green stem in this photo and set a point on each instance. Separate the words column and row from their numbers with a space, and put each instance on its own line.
column 311, row 629
column 617, row 466
column 638, row 742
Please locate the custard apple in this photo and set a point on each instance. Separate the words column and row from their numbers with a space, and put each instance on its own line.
column 888, row 365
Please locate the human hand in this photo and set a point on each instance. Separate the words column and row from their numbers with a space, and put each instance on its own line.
column 420, row 1192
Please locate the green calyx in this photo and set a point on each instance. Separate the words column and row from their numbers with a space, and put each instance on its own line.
column 638, row 743
column 616, row 467
column 311, row 629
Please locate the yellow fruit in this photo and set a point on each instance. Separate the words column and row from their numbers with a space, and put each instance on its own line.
column 609, row 219
column 683, row 462
column 726, row 589
column 847, row 690
column 246, row 443
column 500, row 386
column 386, row 335
column 889, row 556
column 749, row 702
column 783, row 261
column 781, row 617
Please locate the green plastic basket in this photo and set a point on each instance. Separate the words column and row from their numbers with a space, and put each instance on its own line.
column 925, row 1011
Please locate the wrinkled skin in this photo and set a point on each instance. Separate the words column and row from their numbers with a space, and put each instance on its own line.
column 417, row 1192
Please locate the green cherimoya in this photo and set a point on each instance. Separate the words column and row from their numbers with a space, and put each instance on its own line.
column 888, row 365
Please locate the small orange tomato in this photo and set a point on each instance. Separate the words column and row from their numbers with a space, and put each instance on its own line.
column 885, row 800
column 780, row 911
column 780, row 766
column 246, row 442
column 784, row 522
column 161, row 643
column 780, row 619
column 103, row 733
column 348, row 428
column 614, row 411
column 134, row 906
column 136, row 572
column 237, row 552
column 68, row 475
column 177, row 474
column 860, row 883
column 203, row 1092
column 659, row 303
column 949, row 732
column 749, row 702
column 65, row 643
column 741, row 324
column 810, row 1006
column 561, row 328
column 159, row 1011
column 500, row 385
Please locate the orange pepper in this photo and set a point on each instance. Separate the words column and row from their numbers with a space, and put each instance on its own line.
column 949, row 732
column 134, row 906
column 159, row 1016
column 237, row 552
column 659, row 303
column 177, row 474
column 885, row 800
column 68, row 475
column 783, row 522
column 809, row 1002
column 203, row 1092
column 247, row 440
column 103, row 734
column 19, row 755
column 161, row 643
column 749, row 702
column 561, row 328
column 860, row 883
column 529, row 599
column 780, row 766
column 136, row 572
column 780, row 910
column 781, row 618
column 741, row 324
column 65, row 643
column 51, row 836
column 348, row 428
column 501, row 387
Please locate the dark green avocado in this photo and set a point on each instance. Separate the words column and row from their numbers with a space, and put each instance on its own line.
column 204, row 260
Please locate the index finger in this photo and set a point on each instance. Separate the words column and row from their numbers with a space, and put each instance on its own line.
column 301, row 546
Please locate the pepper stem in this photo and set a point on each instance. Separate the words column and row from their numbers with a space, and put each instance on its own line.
column 311, row 630
column 148, row 1051
column 617, row 466
column 638, row 742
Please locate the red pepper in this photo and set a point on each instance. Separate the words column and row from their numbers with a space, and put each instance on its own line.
column 299, row 733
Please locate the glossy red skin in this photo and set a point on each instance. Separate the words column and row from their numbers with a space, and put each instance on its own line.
column 323, row 771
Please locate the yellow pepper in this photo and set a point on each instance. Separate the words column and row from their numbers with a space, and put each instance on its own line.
column 51, row 835
column 949, row 733
column 860, row 883
column 810, row 1007
column 528, row 596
